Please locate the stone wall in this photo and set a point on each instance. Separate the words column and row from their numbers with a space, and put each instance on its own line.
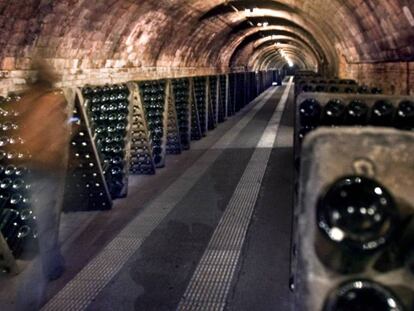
column 393, row 77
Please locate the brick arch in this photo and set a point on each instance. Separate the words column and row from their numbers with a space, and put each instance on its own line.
column 240, row 56
column 293, row 51
column 123, row 39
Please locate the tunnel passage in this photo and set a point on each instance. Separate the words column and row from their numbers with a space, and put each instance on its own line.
column 116, row 41
column 206, row 96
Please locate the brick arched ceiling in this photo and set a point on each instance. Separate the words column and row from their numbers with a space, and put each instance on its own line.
column 157, row 35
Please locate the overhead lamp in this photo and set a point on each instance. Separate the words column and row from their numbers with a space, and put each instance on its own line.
column 259, row 24
column 265, row 24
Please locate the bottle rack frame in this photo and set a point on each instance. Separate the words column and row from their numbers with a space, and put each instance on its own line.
column 186, row 134
column 135, row 166
column 382, row 153
column 73, row 195
column 172, row 128
column 203, row 118
column 196, row 132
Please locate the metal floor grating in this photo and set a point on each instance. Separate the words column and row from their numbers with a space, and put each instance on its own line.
column 86, row 285
column 210, row 284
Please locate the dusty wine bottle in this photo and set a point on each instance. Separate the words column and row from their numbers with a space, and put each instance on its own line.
column 356, row 113
column 363, row 295
column 382, row 113
column 333, row 113
column 356, row 218
column 310, row 110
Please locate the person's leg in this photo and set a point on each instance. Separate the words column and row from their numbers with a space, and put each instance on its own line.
column 49, row 264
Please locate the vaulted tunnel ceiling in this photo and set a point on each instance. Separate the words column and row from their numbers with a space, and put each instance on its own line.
column 203, row 33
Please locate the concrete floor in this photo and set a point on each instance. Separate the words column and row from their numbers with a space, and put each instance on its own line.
column 158, row 270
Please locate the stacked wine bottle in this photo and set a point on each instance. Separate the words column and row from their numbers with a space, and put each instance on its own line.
column 334, row 86
column 222, row 98
column 200, row 89
column 240, row 91
column 357, row 112
column 173, row 134
column 153, row 98
column 181, row 89
column 252, row 86
column 108, row 112
column 232, row 95
column 17, row 220
column 213, row 109
column 86, row 187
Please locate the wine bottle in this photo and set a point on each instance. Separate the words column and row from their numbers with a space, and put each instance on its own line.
column 363, row 89
column 363, row 295
column 382, row 113
column 356, row 113
column 333, row 113
column 356, row 218
column 310, row 111
column 334, row 89
column 404, row 118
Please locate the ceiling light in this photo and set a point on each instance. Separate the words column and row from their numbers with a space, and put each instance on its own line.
column 265, row 24
column 259, row 24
